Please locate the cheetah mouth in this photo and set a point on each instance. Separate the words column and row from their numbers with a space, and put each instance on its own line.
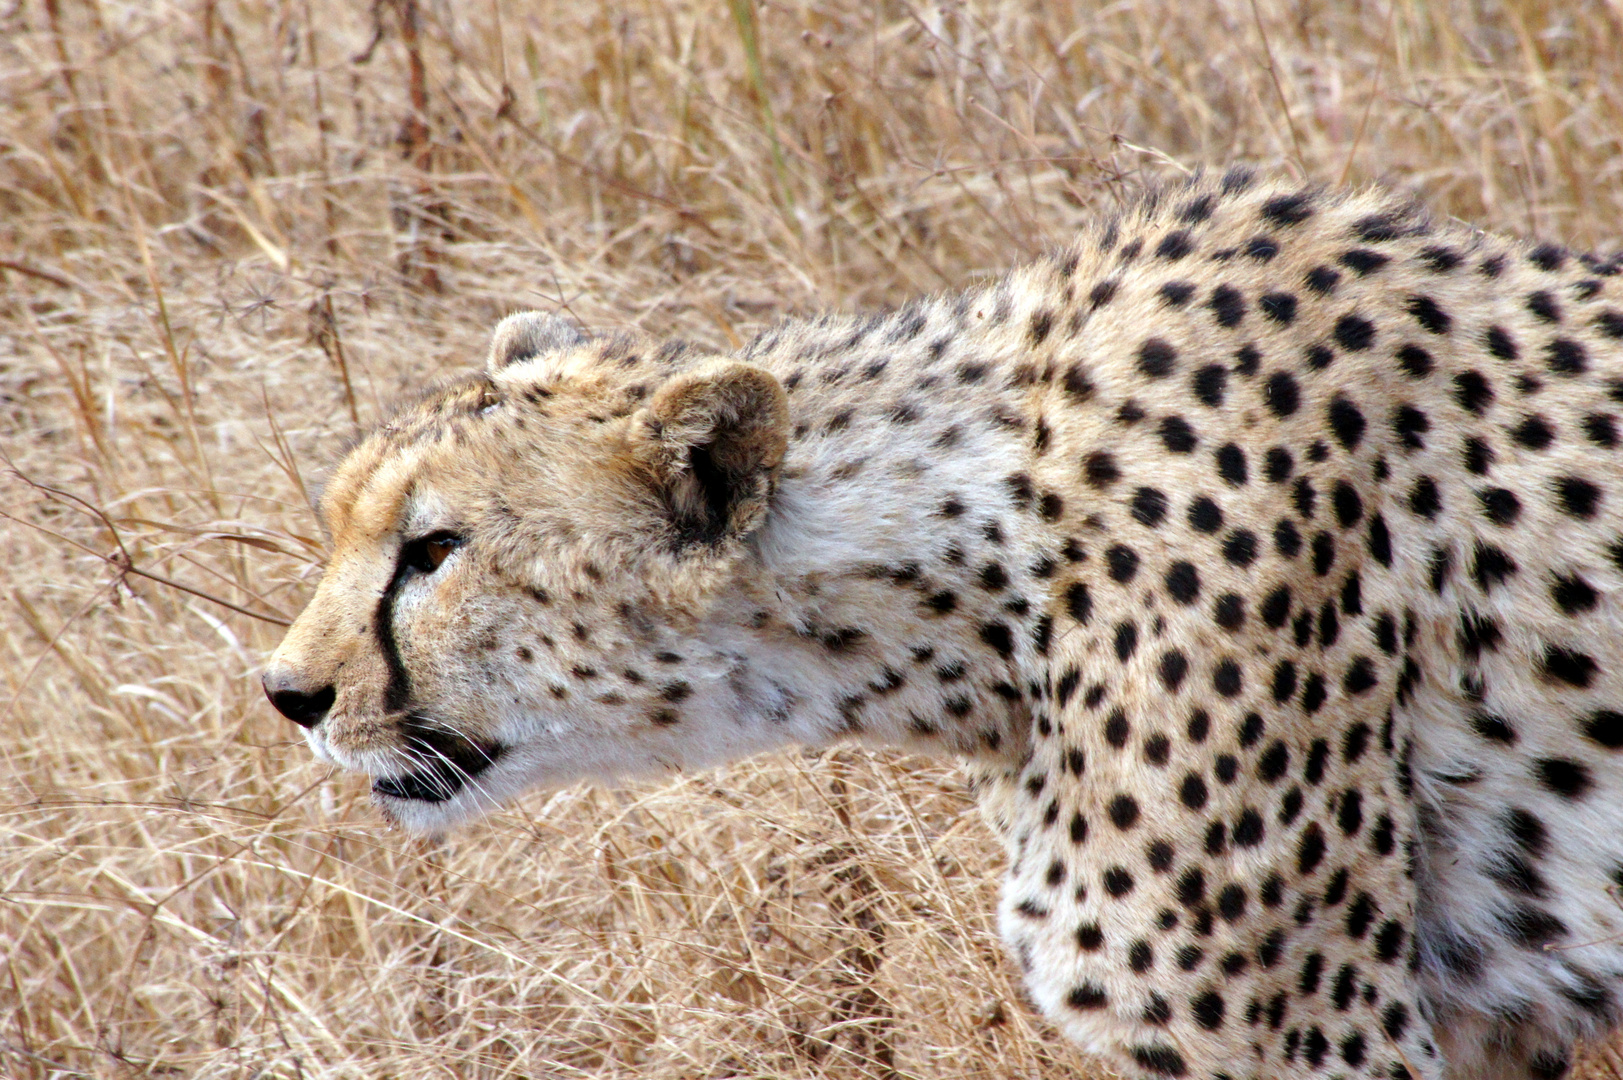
column 449, row 762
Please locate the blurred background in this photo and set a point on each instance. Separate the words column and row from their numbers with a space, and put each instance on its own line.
column 230, row 230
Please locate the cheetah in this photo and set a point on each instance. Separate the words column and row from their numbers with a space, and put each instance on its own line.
column 1262, row 551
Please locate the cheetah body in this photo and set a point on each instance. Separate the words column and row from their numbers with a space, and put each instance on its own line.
column 1261, row 551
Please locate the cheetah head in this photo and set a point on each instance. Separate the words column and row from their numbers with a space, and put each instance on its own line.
column 536, row 576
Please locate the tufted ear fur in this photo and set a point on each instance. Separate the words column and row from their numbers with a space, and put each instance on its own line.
column 712, row 439
column 528, row 334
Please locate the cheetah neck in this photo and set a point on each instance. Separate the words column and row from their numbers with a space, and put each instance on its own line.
column 898, row 585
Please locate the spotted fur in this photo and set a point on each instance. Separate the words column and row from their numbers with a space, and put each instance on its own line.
column 1263, row 551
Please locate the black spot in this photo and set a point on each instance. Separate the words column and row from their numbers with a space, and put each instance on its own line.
column 1322, row 280
column 1177, row 293
column 1278, row 307
column 998, row 637
column 1490, row 566
column 1177, row 435
column 1312, row 971
column 941, row 602
column 1547, row 257
column 1362, row 261
column 1500, row 505
column 1432, row 319
column 1534, row 432
column 1079, row 824
column 1473, row 392
column 1122, row 562
column 1566, row 356
column 1313, row 696
column 1348, row 506
column 1149, row 506
column 1324, row 553
column 1531, row 927
column 1228, row 305
column 1493, row 728
column 1246, row 358
column 1207, row 1010
column 1156, row 358
column 1302, row 495
column 1564, row 776
column 1410, row 424
column 1229, row 611
column 1424, row 500
column 1286, row 210
column 1209, row 383
column 1278, row 464
column 993, row 577
column 1076, row 383
column 1287, row 540
column 1395, row 1019
column 1205, row 516
column 1124, row 811
column 1161, row 1060
column 1276, row 607
column 1543, row 305
column 1290, row 806
column 1500, row 344
column 1126, row 641
column 1282, row 394
column 1605, row 727
column 1078, row 602
column 1226, row 678
column 1183, row 582
column 1347, row 422
column 1118, row 882
column 1478, row 456
column 1601, row 429
column 1577, row 496
column 1175, row 245
column 1276, row 759
column 1415, row 361
column 1100, row 470
column 1240, row 547
column 1440, row 260
column 1572, row 594
column 1568, row 666
column 1231, row 465
column 1041, row 323
column 1352, row 597
column 1086, row 996
column 1261, row 248
column 1354, row 333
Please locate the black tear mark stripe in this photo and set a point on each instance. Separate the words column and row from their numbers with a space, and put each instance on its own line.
column 397, row 691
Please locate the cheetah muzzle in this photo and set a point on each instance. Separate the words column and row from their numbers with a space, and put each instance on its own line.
column 1262, row 551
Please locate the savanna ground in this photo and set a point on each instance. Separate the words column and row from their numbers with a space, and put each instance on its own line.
column 231, row 230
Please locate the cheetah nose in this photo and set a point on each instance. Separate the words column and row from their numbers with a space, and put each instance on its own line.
column 303, row 707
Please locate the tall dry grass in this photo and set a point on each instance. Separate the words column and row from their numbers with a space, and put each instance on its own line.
column 230, row 229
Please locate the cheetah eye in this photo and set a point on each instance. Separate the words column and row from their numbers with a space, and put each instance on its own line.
column 426, row 553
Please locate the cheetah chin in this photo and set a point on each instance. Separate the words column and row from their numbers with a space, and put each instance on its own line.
column 1262, row 551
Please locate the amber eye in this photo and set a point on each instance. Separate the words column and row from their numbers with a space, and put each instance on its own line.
column 426, row 553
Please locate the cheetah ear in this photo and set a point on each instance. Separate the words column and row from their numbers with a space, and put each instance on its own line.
column 712, row 440
column 528, row 334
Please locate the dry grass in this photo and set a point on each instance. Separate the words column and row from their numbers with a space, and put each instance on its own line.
column 230, row 228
